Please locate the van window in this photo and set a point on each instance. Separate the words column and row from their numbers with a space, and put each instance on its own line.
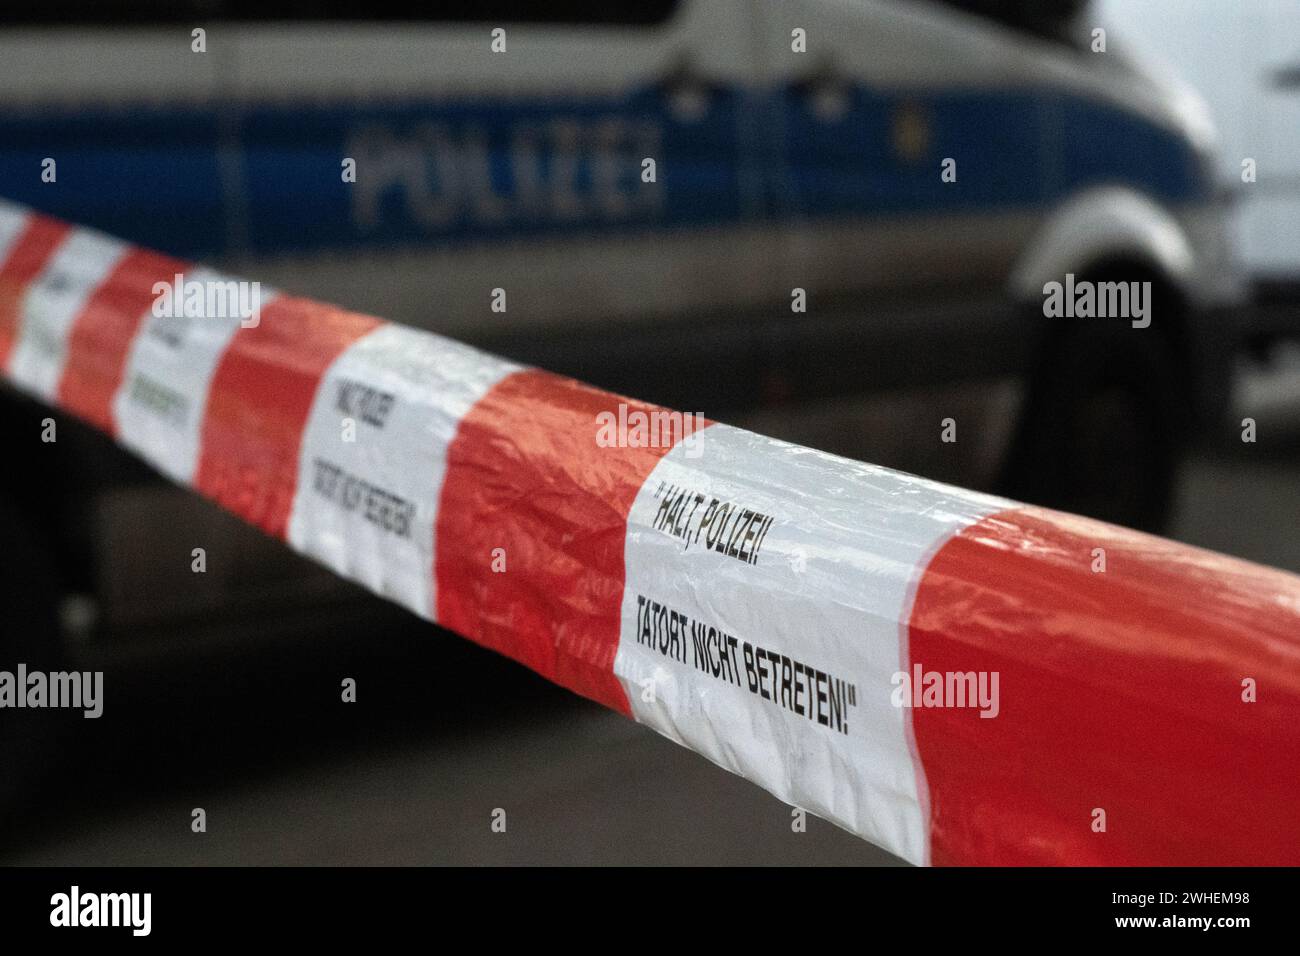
column 1052, row 19
column 160, row 12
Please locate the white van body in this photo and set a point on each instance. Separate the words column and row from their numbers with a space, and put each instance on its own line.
column 798, row 151
column 797, row 144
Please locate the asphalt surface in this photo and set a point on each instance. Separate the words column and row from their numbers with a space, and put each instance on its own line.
column 443, row 733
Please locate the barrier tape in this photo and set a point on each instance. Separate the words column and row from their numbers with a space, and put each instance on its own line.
column 946, row 674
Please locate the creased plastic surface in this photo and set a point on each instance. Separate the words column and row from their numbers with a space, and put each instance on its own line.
column 783, row 612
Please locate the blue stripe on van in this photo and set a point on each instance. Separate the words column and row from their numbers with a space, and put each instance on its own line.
column 147, row 175
column 266, row 179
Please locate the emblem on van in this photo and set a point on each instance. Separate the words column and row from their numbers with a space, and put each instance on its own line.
column 910, row 132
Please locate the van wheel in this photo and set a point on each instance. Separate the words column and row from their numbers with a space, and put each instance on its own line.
column 1104, row 427
column 29, row 634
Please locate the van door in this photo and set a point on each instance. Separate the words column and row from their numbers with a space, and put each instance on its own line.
column 586, row 158
column 915, row 162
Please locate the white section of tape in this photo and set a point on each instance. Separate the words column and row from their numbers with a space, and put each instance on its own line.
column 52, row 304
column 374, row 456
column 800, row 619
column 160, row 404
column 12, row 222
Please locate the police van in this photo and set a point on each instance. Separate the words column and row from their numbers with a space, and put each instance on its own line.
column 712, row 204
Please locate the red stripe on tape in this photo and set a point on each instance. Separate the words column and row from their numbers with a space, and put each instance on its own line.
column 1120, row 691
column 28, row 257
column 100, row 340
column 258, row 403
column 525, row 474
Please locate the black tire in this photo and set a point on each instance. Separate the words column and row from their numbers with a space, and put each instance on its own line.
column 1104, row 426
column 30, row 635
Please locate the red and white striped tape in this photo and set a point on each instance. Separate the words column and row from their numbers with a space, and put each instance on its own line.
column 753, row 600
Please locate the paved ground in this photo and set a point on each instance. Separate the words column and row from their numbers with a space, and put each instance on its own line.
column 288, row 775
column 445, row 733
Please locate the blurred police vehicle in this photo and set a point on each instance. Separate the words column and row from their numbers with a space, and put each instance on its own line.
column 650, row 182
